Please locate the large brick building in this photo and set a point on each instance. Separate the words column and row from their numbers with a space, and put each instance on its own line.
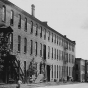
column 32, row 38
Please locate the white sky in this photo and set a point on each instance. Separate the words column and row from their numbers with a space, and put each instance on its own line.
column 68, row 17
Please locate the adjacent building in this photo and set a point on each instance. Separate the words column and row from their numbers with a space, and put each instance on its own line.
column 80, row 70
column 34, row 39
column 86, row 70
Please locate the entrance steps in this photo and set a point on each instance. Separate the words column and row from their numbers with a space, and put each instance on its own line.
column 39, row 78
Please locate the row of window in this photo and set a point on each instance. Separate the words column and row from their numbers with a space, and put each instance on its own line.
column 62, row 71
column 60, row 55
column 19, row 44
column 56, row 54
column 31, row 46
column 58, row 40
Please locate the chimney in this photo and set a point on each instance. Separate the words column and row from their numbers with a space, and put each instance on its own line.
column 33, row 10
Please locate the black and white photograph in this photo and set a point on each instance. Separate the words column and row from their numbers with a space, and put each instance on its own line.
column 43, row 43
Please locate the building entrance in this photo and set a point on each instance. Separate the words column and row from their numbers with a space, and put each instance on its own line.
column 10, row 71
column 48, row 73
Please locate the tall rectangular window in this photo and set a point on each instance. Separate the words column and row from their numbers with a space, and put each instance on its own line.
column 59, row 54
column 54, row 71
column 59, row 41
column 52, row 37
column 35, row 48
column 55, row 54
column 69, row 46
column 31, row 27
column 44, row 33
column 69, row 71
column 63, row 42
column 40, row 32
column 48, row 35
column 12, row 18
column 66, row 45
column 48, row 52
column 36, row 31
column 31, row 47
column 55, row 39
column 3, row 13
column 52, row 53
column 25, row 45
column 40, row 49
column 69, row 57
column 73, row 48
column 72, row 59
column 57, row 71
column 19, row 43
column 62, row 55
column 19, row 21
column 11, row 41
column 36, row 71
column 25, row 25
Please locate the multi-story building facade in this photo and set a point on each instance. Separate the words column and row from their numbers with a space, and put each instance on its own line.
column 80, row 70
column 32, row 38
column 86, row 70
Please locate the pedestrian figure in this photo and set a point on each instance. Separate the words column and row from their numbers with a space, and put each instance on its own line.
column 19, row 83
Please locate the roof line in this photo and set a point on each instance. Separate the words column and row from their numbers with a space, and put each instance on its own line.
column 35, row 19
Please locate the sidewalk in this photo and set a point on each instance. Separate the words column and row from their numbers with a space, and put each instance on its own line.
column 36, row 85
